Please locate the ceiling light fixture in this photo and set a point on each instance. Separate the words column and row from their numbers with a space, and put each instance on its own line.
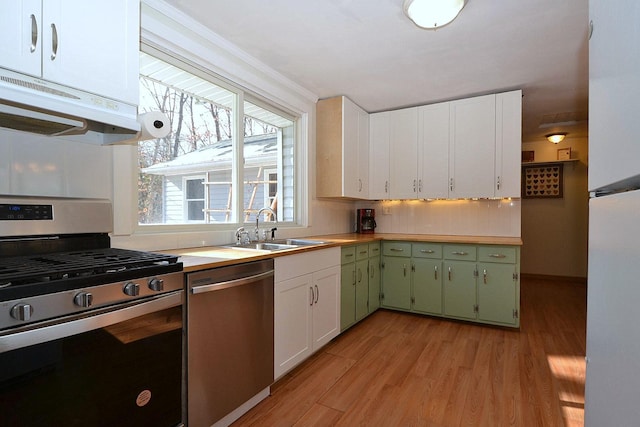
column 556, row 137
column 432, row 14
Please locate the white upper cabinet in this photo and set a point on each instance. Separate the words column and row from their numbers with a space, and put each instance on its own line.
column 614, row 78
column 508, row 144
column 342, row 149
column 403, row 153
column 472, row 147
column 379, row 156
column 92, row 47
column 433, row 135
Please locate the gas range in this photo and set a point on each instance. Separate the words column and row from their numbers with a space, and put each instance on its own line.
column 56, row 260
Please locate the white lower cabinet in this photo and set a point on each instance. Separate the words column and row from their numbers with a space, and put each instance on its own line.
column 306, row 305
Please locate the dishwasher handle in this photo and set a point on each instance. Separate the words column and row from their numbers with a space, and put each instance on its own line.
column 231, row 283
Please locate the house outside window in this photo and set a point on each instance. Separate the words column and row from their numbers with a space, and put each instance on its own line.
column 227, row 156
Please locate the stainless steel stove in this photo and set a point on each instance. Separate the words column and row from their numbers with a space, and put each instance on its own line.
column 67, row 302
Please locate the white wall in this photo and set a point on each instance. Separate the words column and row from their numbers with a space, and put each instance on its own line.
column 34, row 165
column 555, row 231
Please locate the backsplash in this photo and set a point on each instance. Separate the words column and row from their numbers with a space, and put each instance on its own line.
column 451, row 217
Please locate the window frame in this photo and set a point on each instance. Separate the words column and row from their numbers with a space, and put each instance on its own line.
column 300, row 129
column 186, row 199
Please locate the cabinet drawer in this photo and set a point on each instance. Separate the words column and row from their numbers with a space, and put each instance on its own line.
column 396, row 249
column 460, row 252
column 501, row 254
column 348, row 254
column 374, row 249
column 362, row 252
column 426, row 250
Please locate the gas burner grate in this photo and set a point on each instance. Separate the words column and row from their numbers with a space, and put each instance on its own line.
column 66, row 265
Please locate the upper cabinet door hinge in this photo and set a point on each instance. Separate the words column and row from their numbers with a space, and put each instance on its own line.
column 515, row 313
column 515, row 277
column 475, row 273
column 476, row 309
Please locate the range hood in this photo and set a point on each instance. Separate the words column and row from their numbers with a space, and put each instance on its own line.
column 38, row 106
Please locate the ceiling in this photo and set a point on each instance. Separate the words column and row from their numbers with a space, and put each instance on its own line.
column 369, row 51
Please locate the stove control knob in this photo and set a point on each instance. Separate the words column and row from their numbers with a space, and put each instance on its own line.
column 132, row 289
column 83, row 299
column 156, row 284
column 22, row 311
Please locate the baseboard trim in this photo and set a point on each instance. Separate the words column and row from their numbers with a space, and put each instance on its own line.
column 550, row 278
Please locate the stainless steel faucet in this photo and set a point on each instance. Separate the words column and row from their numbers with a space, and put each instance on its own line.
column 242, row 236
column 273, row 230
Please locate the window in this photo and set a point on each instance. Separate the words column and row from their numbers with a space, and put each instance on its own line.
column 194, row 201
column 227, row 156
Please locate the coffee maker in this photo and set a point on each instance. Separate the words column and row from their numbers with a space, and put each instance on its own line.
column 365, row 221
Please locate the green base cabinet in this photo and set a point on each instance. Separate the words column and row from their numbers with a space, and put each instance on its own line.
column 479, row 283
column 396, row 275
column 360, row 283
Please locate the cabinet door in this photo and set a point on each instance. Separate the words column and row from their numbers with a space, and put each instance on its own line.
column 403, row 154
column 362, row 289
column 459, row 289
column 95, row 48
column 427, row 285
column 293, row 302
column 347, row 295
column 379, row 156
column 497, row 284
column 472, row 147
column 326, row 308
column 20, row 32
column 508, row 144
column 374, row 283
column 433, row 134
column 396, row 283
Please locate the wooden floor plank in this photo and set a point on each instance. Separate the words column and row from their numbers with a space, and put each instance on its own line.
column 401, row 369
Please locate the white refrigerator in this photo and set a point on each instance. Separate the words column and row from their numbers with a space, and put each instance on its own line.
column 612, row 395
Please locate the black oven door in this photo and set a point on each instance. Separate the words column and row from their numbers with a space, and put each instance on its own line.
column 115, row 367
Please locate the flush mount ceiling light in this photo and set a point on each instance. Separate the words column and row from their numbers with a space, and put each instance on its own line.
column 432, row 14
column 556, row 137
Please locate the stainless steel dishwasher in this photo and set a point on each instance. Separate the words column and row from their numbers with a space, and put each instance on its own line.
column 229, row 339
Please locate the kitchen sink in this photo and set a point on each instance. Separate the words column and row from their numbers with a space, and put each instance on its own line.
column 276, row 245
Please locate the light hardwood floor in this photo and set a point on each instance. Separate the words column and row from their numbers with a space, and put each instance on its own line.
column 398, row 369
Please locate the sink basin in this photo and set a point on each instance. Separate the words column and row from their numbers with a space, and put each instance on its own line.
column 300, row 242
column 262, row 246
column 276, row 245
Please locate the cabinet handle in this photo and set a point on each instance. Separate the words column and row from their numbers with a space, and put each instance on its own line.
column 449, row 273
column 590, row 29
column 372, row 271
column 359, row 185
column 396, row 250
column 461, row 253
column 348, row 255
column 34, row 34
column 404, row 268
column 484, row 276
column 497, row 255
column 359, row 275
column 354, row 278
column 363, row 252
column 435, row 272
column 451, row 184
column 426, row 251
column 312, row 295
column 414, row 185
column 317, row 294
column 54, row 42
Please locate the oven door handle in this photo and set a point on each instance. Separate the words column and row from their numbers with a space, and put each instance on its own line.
column 81, row 323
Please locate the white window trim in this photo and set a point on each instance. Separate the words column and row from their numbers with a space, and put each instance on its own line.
column 186, row 200
column 165, row 28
